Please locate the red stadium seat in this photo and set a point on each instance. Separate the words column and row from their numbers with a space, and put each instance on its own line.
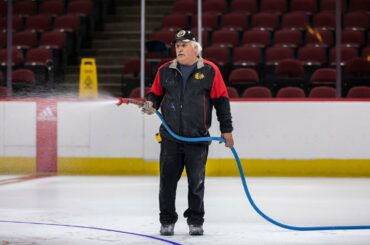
column 24, row 9
column 358, row 21
column 246, row 56
column 274, row 6
column 265, row 21
column 359, row 5
column 257, row 92
column 3, row 92
column 234, row 21
column 311, row 55
column 52, row 8
column 288, row 38
column 39, row 57
column 352, row 38
column 290, row 68
column 357, row 72
column 23, row 76
column 347, row 53
column 205, row 36
column 247, row 7
column 305, row 6
column 324, row 21
column 324, row 76
column 164, row 36
column 215, row 7
column 219, row 55
column 290, row 92
column 232, row 92
column 366, row 53
column 184, row 7
column 67, row 23
column 241, row 78
column 53, row 40
column 288, row 72
column 175, row 22
column 243, row 75
column 17, row 23
column 41, row 61
column 209, row 21
column 276, row 54
column 358, row 67
column 17, row 57
column 323, row 92
column 25, row 40
column 295, row 21
column 330, row 5
column 256, row 38
column 359, row 92
column 38, row 23
column 225, row 38
column 3, row 40
column 82, row 8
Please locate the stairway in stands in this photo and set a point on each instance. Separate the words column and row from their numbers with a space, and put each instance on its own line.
column 118, row 41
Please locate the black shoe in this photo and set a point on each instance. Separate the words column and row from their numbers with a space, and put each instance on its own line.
column 196, row 230
column 167, row 229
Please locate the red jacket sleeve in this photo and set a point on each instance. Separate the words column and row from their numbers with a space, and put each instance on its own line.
column 156, row 88
column 218, row 87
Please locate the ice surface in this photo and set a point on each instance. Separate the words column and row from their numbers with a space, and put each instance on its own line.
column 130, row 204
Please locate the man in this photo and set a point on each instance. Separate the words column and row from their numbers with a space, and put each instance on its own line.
column 186, row 89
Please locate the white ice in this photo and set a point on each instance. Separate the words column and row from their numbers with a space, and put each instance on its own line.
column 130, row 204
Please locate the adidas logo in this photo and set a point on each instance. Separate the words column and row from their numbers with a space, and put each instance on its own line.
column 46, row 115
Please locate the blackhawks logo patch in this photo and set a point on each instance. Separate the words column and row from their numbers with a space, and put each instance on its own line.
column 199, row 76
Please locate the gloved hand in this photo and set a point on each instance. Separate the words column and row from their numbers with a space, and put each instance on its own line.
column 148, row 108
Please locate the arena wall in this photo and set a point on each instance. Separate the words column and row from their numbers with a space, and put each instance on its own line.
column 273, row 138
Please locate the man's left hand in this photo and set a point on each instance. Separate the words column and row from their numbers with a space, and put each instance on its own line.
column 229, row 139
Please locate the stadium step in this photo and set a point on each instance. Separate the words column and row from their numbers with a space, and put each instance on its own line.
column 117, row 41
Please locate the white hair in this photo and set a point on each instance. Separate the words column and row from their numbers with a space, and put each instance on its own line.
column 199, row 47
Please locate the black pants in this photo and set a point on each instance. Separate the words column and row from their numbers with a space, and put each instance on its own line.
column 174, row 156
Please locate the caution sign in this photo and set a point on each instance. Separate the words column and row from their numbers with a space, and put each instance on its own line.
column 88, row 78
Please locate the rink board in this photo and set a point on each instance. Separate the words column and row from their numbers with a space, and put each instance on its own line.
column 272, row 138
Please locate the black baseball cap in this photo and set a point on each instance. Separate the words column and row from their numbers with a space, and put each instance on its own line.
column 184, row 36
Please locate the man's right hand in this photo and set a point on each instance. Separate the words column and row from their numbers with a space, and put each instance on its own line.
column 148, row 108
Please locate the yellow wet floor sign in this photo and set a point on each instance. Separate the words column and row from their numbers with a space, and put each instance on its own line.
column 88, row 78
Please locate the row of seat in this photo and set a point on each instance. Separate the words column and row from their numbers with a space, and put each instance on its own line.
column 297, row 92
column 28, row 8
column 47, row 34
column 255, row 50
column 263, row 38
column 288, row 72
column 358, row 20
column 275, row 6
column 59, row 44
column 286, row 92
column 43, row 23
column 41, row 61
column 54, row 40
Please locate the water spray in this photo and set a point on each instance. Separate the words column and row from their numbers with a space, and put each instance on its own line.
column 141, row 104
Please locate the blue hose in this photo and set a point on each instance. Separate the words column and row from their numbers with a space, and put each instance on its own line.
column 250, row 199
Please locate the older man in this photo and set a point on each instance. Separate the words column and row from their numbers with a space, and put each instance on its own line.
column 186, row 89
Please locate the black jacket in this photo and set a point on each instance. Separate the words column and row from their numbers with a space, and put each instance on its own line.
column 188, row 111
